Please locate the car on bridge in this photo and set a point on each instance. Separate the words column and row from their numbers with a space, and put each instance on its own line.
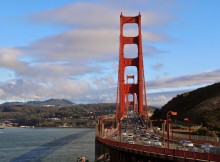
column 186, row 143
column 130, row 141
column 206, row 147
column 124, row 133
column 146, row 141
column 195, row 149
column 215, row 150
column 156, row 143
column 130, row 135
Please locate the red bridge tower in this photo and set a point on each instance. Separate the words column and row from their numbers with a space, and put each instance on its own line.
column 138, row 89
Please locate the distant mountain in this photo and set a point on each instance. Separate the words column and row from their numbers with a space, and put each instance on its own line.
column 200, row 106
column 57, row 102
column 12, row 103
column 50, row 102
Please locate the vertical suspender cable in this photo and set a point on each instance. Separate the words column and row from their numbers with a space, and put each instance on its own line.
column 145, row 97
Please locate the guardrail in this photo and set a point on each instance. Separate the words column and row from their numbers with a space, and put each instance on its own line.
column 176, row 154
column 194, row 138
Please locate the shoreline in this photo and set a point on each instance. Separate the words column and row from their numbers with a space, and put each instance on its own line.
column 48, row 127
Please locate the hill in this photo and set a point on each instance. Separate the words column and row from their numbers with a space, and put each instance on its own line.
column 75, row 115
column 50, row 102
column 201, row 106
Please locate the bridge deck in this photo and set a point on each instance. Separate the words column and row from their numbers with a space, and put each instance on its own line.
column 151, row 153
column 113, row 142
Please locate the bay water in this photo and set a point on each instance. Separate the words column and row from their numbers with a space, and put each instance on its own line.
column 46, row 144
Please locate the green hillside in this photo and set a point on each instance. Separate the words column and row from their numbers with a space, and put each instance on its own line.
column 201, row 106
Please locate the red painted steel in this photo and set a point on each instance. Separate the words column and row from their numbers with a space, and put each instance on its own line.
column 125, row 89
column 177, row 154
column 128, row 102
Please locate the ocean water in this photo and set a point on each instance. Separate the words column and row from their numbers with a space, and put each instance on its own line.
column 46, row 144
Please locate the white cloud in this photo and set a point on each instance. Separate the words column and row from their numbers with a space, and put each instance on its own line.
column 104, row 14
column 158, row 101
column 76, row 45
column 20, row 90
column 186, row 80
column 81, row 15
column 157, row 66
column 94, row 30
column 9, row 59
column 85, row 92
column 1, row 92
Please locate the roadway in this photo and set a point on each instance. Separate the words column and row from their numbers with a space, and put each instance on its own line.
column 133, row 131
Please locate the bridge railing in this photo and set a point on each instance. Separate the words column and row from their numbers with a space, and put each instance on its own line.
column 162, row 151
column 196, row 138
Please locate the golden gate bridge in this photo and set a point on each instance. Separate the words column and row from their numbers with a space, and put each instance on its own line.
column 114, row 144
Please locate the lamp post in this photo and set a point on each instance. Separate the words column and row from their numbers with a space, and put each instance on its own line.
column 163, row 128
column 187, row 119
column 168, row 127
column 120, row 127
column 172, row 130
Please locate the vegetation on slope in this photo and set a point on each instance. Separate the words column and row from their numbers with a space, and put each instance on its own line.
column 81, row 115
column 201, row 106
column 75, row 115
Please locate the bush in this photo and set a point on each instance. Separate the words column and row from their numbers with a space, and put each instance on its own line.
column 203, row 131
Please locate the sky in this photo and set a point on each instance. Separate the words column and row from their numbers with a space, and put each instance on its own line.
column 68, row 49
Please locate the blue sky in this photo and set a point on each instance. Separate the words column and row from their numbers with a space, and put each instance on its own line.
column 69, row 49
